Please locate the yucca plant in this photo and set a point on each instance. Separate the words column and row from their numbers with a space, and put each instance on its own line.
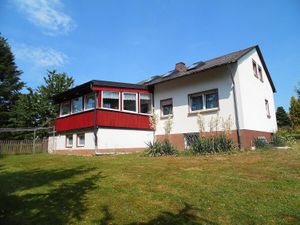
column 161, row 148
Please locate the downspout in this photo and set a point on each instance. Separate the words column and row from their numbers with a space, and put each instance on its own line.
column 95, row 120
column 235, row 107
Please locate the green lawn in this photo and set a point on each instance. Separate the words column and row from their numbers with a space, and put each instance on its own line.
column 258, row 187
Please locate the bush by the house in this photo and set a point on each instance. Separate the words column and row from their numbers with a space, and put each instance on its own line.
column 214, row 144
column 283, row 139
column 161, row 148
column 261, row 143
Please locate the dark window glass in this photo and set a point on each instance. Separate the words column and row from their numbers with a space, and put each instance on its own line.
column 145, row 103
column 89, row 102
column 211, row 100
column 110, row 100
column 129, row 102
column 167, row 107
column 65, row 108
column 196, row 102
column 77, row 105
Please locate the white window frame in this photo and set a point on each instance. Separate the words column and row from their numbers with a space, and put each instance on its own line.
column 203, row 94
column 60, row 110
column 151, row 103
column 77, row 140
column 84, row 101
column 102, row 107
column 82, row 107
column 67, row 140
column 136, row 102
column 162, row 111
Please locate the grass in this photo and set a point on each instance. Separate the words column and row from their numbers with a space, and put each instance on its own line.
column 257, row 187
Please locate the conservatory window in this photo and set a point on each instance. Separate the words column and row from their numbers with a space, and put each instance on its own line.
column 129, row 102
column 89, row 101
column 65, row 108
column 77, row 105
column 111, row 100
column 145, row 103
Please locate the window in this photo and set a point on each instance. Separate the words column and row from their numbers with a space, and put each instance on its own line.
column 211, row 100
column 204, row 100
column 69, row 141
column 145, row 103
column 190, row 139
column 111, row 100
column 65, row 108
column 196, row 102
column 89, row 101
column 166, row 107
column 129, row 102
column 267, row 108
column 254, row 68
column 260, row 73
column 77, row 105
column 80, row 140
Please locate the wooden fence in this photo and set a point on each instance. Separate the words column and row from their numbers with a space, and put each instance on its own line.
column 23, row 146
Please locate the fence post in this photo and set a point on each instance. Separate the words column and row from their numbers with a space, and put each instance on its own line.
column 33, row 147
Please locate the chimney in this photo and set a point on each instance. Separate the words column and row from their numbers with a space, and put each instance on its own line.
column 180, row 66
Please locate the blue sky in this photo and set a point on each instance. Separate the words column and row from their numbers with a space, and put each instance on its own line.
column 130, row 40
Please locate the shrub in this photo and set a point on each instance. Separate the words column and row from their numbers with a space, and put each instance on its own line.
column 219, row 143
column 283, row 139
column 161, row 148
column 261, row 143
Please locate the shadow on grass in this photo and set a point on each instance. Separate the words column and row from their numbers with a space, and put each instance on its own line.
column 185, row 216
column 58, row 205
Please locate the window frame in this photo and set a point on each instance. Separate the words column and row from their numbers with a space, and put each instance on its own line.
column 267, row 107
column 82, row 105
column 136, row 103
column 151, row 103
column 119, row 106
column 60, row 108
column 67, row 141
column 260, row 73
column 254, row 63
column 161, row 108
column 77, row 139
column 203, row 94
column 84, row 101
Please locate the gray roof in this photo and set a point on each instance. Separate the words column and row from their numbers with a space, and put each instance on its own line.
column 206, row 65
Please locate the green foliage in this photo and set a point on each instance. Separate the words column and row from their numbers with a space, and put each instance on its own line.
column 282, row 118
column 295, row 112
column 214, row 144
column 283, row 138
column 161, row 148
column 10, row 84
column 261, row 143
column 55, row 83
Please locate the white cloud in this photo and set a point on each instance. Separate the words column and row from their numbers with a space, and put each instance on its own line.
column 46, row 14
column 41, row 56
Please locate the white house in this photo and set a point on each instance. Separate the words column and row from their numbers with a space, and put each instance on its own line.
column 102, row 116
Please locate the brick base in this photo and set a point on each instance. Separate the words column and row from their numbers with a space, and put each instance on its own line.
column 247, row 138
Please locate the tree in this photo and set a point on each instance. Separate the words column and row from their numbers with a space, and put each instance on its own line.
column 282, row 118
column 55, row 83
column 10, row 83
column 295, row 112
column 298, row 89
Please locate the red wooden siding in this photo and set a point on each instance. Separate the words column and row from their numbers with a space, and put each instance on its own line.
column 105, row 118
column 75, row 121
column 109, row 118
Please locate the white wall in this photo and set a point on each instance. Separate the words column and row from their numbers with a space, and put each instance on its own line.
column 180, row 88
column 251, row 95
column 60, row 141
column 107, row 139
column 123, row 138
